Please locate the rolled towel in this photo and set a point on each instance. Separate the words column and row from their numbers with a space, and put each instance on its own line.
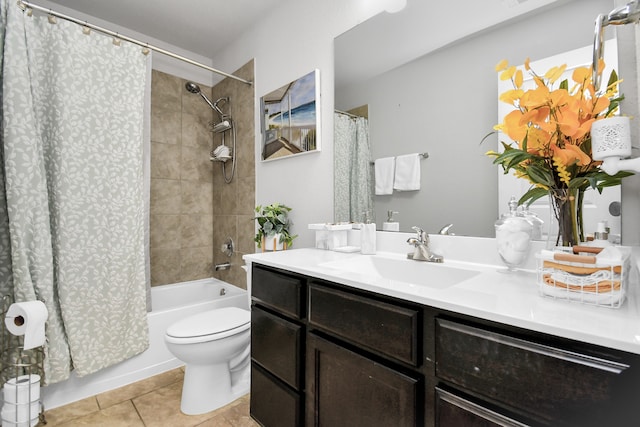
column 384, row 171
column 407, row 175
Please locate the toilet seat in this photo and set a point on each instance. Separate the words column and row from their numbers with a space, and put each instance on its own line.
column 209, row 326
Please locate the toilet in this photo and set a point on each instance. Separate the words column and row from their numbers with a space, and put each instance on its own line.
column 215, row 347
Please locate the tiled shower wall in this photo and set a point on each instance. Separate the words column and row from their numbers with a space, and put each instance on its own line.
column 234, row 203
column 191, row 206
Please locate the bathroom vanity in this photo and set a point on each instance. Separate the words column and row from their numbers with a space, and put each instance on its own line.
column 334, row 344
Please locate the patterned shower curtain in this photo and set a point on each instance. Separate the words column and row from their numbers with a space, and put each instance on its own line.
column 71, row 181
column 353, row 173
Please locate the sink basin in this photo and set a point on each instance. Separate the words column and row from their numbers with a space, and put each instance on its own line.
column 419, row 273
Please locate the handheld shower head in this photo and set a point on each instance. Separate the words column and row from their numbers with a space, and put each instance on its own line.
column 194, row 88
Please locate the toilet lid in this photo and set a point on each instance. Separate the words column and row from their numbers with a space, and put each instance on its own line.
column 210, row 322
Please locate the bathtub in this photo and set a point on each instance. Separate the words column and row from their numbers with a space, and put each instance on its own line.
column 170, row 303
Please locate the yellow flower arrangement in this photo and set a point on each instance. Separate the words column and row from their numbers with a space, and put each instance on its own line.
column 550, row 128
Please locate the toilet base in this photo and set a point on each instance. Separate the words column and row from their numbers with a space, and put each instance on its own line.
column 208, row 387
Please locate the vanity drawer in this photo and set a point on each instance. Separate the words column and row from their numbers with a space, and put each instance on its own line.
column 278, row 290
column 554, row 385
column 385, row 328
column 276, row 344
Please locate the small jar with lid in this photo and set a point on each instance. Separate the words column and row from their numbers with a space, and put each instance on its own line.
column 535, row 221
column 513, row 237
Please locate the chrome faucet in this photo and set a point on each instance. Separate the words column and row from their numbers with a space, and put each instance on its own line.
column 445, row 230
column 422, row 252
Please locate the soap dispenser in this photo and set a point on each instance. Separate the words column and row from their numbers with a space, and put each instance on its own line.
column 513, row 236
column 368, row 237
column 601, row 236
column 390, row 224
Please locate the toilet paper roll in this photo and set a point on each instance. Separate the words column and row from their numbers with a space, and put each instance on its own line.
column 18, row 413
column 27, row 318
column 8, row 423
column 23, row 389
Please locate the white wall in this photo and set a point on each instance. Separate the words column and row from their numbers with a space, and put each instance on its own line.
column 290, row 43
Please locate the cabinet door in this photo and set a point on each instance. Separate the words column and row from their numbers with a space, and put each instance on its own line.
column 272, row 403
column 276, row 344
column 347, row 389
column 454, row 411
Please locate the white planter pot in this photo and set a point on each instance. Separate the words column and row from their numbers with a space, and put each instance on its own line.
column 272, row 243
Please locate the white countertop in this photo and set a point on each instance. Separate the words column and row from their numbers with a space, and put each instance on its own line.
column 493, row 294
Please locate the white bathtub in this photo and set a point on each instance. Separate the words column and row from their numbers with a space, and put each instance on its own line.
column 170, row 303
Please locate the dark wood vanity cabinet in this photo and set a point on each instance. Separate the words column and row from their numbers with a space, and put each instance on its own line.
column 325, row 354
column 277, row 347
column 527, row 379
column 362, row 355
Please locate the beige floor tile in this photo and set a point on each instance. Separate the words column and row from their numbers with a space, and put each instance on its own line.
column 161, row 408
column 112, row 397
column 236, row 414
column 71, row 411
column 121, row 415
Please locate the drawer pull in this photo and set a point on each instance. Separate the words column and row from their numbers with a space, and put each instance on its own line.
column 478, row 410
column 581, row 359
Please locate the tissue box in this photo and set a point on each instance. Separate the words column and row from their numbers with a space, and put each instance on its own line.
column 330, row 236
column 594, row 283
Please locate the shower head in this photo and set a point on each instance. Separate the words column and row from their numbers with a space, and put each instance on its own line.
column 194, row 88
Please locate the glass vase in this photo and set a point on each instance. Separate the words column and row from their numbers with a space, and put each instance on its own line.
column 567, row 209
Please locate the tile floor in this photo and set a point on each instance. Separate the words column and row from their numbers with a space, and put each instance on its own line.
column 153, row 402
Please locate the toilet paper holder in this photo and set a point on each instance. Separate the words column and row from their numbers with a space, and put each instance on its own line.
column 20, row 372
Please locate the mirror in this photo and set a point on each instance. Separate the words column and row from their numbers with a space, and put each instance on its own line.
column 430, row 86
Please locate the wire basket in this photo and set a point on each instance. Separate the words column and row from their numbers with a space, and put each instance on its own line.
column 20, row 370
column 583, row 279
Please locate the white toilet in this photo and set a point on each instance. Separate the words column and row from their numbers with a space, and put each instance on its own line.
column 215, row 347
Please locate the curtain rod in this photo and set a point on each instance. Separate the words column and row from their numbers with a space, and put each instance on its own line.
column 347, row 114
column 26, row 5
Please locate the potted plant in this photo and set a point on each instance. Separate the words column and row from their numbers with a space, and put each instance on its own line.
column 273, row 227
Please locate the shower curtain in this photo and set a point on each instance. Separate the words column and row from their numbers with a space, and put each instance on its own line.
column 71, row 206
column 353, row 174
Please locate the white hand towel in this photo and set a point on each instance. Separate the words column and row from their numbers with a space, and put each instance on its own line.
column 407, row 175
column 384, row 170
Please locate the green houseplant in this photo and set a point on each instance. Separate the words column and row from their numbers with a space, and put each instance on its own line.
column 273, row 220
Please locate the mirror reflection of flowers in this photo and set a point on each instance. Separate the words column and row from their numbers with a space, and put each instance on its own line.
column 551, row 141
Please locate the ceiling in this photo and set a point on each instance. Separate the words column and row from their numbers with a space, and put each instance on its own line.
column 203, row 27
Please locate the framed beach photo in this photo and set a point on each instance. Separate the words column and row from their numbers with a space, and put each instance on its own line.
column 291, row 118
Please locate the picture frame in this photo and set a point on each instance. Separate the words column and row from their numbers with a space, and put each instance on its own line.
column 290, row 121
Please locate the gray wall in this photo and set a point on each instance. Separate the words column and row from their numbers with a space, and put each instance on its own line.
column 445, row 102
